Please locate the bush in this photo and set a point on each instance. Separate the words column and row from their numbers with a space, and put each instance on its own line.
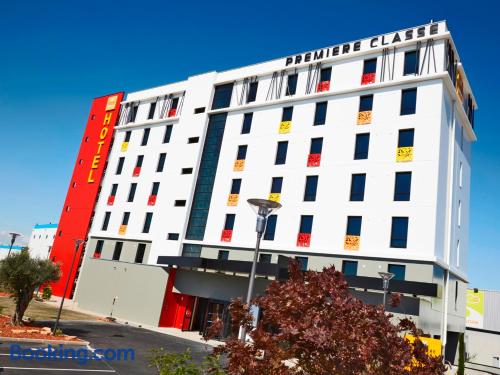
column 47, row 293
column 182, row 364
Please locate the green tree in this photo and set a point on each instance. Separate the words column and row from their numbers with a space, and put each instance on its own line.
column 21, row 274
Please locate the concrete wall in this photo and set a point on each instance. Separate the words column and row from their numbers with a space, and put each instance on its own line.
column 483, row 347
column 140, row 290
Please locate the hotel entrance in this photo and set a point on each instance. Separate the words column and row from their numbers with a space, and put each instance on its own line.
column 208, row 311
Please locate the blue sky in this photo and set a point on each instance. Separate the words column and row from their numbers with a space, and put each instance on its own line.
column 57, row 55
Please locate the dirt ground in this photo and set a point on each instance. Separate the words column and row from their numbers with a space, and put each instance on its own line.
column 41, row 311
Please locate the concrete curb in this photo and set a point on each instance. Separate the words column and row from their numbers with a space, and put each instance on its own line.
column 44, row 341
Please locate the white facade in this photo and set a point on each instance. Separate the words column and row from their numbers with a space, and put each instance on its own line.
column 41, row 240
column 433, row 230
column 199, row 168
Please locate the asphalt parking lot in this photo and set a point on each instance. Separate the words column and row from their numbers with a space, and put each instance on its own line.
column 111, row 338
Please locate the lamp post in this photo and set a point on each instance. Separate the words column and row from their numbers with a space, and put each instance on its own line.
column 13, row 237
column 263, row 208
column 386, row 276
column 78, row 242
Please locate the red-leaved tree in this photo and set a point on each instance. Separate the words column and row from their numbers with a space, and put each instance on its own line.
column 312, row 325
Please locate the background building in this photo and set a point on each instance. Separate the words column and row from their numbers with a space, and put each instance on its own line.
column 482, row 336
column 41, row 240
column 4, row 250
column 367, row 145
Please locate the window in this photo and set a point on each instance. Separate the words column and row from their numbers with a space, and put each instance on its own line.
column 156, row 187
column 398, row 270
column 133, row 112
column 362, row 146
column 276, row 185
column 151, row 112
column 353, row 226
column 131, row 192
column 145, row 137
column 459, row 214
column 229, row 223
column 173, row 236
column 306, row 222
column 126, row 217
column 320, row 113
column 349, row 267
column 193, row 139
column 365, row 103
column 399, row 232
column 118, row 251
column 325, row 74
column 287, row 114
column 265, row 258
column 127, row 136
column 139, row 255
column 168, row 134
column 281, row 153
column 402, row 187
column 235, row 186
column 270, row 227
column 370, row 66
column 172, row 111
column 114, row 189
column 302, row 263
column 180, row 203
column 187, row 170
column 98, row 249
column 311, row 187
column 190, row 250
column 105, row 223
column 457, row 264
column 247, row 123
column 140, row 159
column 223, row 255
column 252, row 91
column 460, row 175
column 74, row 185
column 358, row 187
column 242, row 152
column 147, row 222
column 161, row 162
column 119, row 167
column 291, row 85
column 408, row 101
column 405, row 137
column 316, row 146
column 411, row 63
column 222, row 96
column 80, row 161
column 199, row 110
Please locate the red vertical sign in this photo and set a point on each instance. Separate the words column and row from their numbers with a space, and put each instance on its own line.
column 83, row 188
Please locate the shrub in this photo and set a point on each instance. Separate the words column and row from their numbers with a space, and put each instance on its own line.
column 47, row 293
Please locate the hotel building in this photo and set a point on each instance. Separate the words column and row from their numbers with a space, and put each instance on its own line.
column 367, row 145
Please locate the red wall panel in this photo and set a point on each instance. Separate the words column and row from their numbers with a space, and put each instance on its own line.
column 84, row 186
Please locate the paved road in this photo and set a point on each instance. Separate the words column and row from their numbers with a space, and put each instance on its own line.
column 101, row 336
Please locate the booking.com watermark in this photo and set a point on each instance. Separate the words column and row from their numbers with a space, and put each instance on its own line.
column 60, row 353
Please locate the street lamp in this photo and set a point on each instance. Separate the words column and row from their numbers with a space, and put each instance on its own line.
column 263, row 208
column 386, row 276
column 78, row 242
column 13, row 236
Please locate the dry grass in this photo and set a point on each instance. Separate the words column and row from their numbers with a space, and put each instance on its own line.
column 42, row 311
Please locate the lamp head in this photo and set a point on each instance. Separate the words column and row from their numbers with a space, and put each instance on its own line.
column 386, row 275
column 263, row 207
